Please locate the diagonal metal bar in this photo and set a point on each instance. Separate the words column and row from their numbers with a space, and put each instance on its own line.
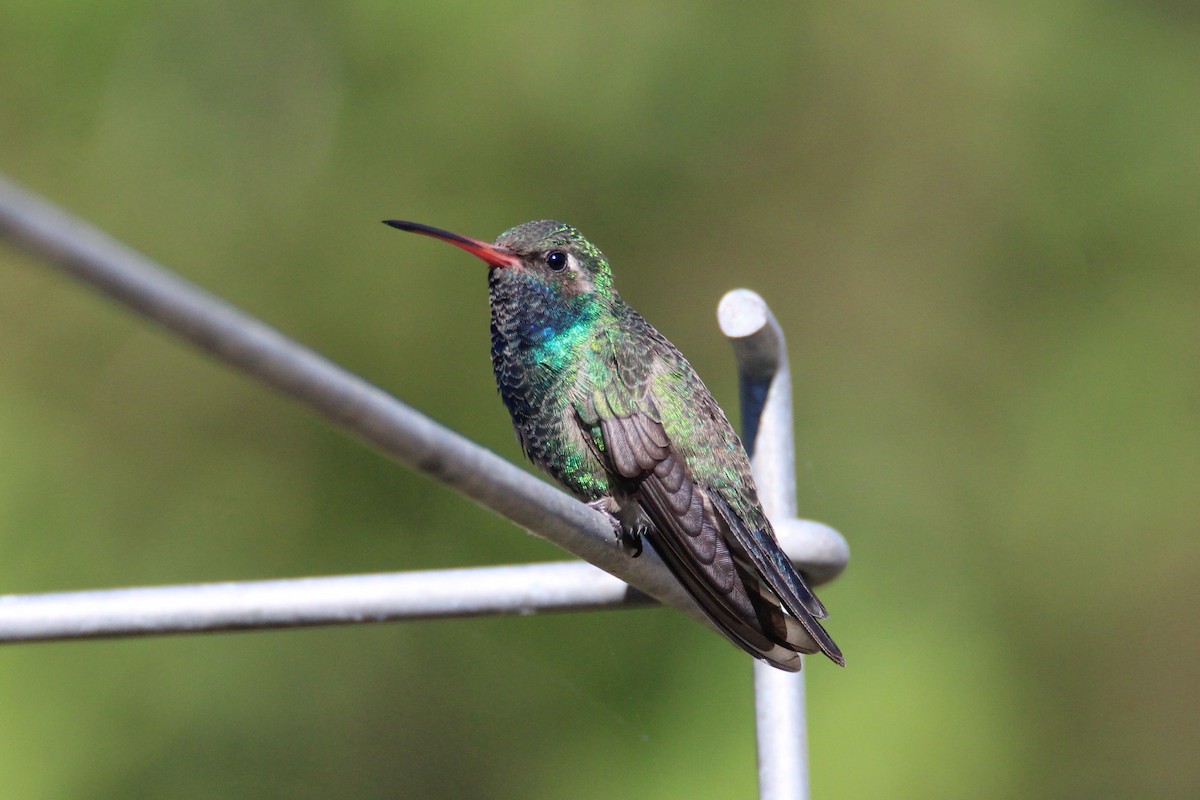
column 241, row 341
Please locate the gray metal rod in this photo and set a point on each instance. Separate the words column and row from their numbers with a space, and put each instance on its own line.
column 436, row 594
column 767, row 417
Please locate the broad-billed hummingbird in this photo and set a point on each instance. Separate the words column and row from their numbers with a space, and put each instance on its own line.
column 615, row 413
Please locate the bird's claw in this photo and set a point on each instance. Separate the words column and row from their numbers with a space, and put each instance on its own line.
column 631, row 541
column 629, row 538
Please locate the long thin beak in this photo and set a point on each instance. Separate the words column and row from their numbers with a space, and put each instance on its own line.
column 493, row 255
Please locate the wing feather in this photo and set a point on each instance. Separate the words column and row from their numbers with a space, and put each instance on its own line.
column 731, row 566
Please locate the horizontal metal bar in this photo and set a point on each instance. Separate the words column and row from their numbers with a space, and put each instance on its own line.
column 303, row 602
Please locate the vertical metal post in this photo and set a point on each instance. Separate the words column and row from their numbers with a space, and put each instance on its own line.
column 766, row 390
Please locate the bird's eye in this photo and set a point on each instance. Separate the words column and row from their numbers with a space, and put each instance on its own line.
column 556, row 260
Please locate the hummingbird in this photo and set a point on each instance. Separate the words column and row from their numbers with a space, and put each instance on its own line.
column 614, row 413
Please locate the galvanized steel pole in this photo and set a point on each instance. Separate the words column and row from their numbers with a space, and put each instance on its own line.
column 766, row 389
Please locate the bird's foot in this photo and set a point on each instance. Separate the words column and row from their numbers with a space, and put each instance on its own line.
column 631, row 541
column 630, row 538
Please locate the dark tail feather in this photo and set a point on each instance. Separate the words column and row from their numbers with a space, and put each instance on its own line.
column 780, row 584
column 742, row 628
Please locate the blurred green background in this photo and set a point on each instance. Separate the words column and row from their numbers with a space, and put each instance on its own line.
column 977, row 223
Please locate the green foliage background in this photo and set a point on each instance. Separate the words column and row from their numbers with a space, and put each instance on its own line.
column 976, row 221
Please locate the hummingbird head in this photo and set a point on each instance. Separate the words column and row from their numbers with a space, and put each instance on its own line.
column 545, row 254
